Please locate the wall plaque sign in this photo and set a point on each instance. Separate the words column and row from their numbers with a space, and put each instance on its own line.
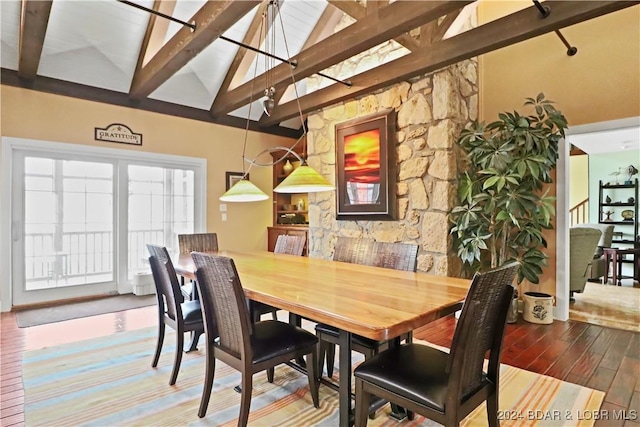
column 117, row 132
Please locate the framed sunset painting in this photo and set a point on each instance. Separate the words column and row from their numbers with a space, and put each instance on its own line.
column 366, row 167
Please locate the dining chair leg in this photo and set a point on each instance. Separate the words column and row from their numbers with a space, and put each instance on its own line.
column 492, row 409
column 195, row 336
column 178, row 359
column 210, row 371
column 314, row 384
column 245, row 398
column 156, row 356
column 362, row 404
column 270, row 372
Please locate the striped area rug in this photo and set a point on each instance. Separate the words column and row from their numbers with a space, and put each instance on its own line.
column 109, row 382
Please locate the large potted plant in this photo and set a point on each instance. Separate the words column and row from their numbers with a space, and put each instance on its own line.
column 503, row 203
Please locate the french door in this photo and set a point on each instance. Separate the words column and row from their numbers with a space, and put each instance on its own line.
column 63, row 228
column 80, row 222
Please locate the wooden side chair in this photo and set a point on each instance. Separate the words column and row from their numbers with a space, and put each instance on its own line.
column 446, row 387
column 285, row 244
column 195, row 242
column 292, row 245
column 172, row 309
column 397, row 256
column 235, row 340
column 353, row 250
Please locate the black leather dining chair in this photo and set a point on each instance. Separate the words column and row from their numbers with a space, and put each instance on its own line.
column 397, row 256
column 234, row 339
column 198, row 242
column 446, row 387
column 285, row 244
column 183, row 316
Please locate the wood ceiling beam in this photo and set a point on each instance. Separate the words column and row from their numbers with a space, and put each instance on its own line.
column 324, row 27
column 242, row 61
column 358, row 12
column 439, row 31
column 155, row 33
column 213, row 19
column 34, row 18
column 384, row 24
column 511, row 29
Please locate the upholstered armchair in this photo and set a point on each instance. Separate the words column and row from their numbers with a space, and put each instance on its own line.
column 597, row 265
column 583, row 242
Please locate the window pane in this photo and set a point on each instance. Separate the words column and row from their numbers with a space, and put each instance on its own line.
column 161, row 206
column 37, row 165
column 68, row 223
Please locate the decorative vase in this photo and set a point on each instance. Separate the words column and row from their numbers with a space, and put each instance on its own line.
column 538, row 308
column 287, row 168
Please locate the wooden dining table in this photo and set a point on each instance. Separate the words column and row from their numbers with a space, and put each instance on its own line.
column 374, row 302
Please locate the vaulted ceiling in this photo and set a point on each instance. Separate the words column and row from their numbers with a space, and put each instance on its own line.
column 113, row 52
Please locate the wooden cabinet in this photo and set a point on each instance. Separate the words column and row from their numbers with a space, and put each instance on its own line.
column 291, row 230
column 290, row 211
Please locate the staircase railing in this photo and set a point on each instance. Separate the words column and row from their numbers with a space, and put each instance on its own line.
column 579, row 212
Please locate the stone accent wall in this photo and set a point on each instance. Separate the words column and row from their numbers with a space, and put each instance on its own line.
column 431, row 111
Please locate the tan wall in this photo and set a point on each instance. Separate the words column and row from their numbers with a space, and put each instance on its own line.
column 599, row 83
column 41, row 116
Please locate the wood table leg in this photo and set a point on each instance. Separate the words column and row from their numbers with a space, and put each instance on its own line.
column 606, row 268
column 344, row 399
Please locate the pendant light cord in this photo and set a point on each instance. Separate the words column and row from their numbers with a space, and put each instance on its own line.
column 270, row 14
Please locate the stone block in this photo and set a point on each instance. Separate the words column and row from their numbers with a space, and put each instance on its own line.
column 413, row 168
column 415, row 111
column 435, row 232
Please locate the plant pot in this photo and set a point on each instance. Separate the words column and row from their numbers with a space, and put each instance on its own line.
column 538, row 308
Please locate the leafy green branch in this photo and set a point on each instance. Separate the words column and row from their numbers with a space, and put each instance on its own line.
column 503, row 206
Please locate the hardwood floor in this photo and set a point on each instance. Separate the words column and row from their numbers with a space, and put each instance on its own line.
column 594, row 356
column 608, row 305
column 591, row 355
column 14, row 341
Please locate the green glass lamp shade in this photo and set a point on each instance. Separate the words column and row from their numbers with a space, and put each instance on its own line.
column 243, row 191
column 304, row 180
